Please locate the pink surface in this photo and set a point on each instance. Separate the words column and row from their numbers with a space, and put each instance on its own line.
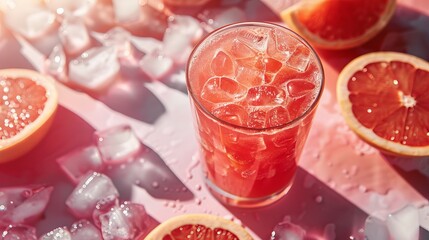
column 340, row 180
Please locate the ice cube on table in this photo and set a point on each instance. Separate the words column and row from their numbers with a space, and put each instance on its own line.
column 187, row 26
column 156, row 65
column 404, row 224
column 28, row 18
column 104, row 206
column 117, row 144
column 70, row 7
column 23, row 204
column 179, row 37
column 95, row 69
column 61, row 233
column 91, row 189
column 18, row 232
column 126, row 10
column 74, row 35
column 55, row 64
column 286, row 230
column 146, row 44
column 120, row 39
column 123, row 222
column 84, row 230
column 81, row 161
column 376, row 229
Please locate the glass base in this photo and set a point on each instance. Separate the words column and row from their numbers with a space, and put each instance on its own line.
column 244, row 202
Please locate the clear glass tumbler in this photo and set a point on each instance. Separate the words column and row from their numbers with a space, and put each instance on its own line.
column 253, row 88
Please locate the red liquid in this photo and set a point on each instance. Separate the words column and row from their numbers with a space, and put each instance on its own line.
column 254, row 91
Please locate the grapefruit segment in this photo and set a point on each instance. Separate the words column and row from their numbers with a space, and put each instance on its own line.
column 28, row 101
column 198, row 226
column 383, row 97
column 339, row 24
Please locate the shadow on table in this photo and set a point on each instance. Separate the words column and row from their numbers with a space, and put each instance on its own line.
column 69, row 132
column 310, row 204
column 39, row 166
column 149, row 171
column 414, row 170
column 129, row 96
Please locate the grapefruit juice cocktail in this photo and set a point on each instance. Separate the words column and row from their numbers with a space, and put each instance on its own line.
column 254, row 88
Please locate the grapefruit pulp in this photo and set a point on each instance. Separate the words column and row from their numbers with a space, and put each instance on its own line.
column 28, row 101
column 198, row 226
column 383, row 97
column 339, row 24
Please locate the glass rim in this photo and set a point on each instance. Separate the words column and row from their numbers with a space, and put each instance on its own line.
column 311, row 107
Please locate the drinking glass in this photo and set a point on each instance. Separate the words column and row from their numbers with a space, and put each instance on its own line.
column 253, row 88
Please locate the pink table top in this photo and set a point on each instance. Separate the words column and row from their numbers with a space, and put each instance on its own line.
column 341, row 180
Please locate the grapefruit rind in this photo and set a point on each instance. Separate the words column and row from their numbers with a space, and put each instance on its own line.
column 386, row 146
column 210, row 221
column 33, row 133
column 289, row 17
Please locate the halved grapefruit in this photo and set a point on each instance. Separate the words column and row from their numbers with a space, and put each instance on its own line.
column 339, row 24
column 28, row 101
column 198, row 226
column 384, row 99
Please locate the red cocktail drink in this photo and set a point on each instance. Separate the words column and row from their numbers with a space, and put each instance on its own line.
column 254, row 88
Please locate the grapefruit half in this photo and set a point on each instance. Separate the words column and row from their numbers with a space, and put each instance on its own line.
column 339, row 24
column 198, row 226
column 28, row 101
column 384, row 99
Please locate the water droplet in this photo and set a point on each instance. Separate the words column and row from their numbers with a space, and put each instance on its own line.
column 363, row 189
column 165, row 189
column 155, row 184
column 319, row 199
column 198, row 187
column 198, row 201
column 317, row 156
